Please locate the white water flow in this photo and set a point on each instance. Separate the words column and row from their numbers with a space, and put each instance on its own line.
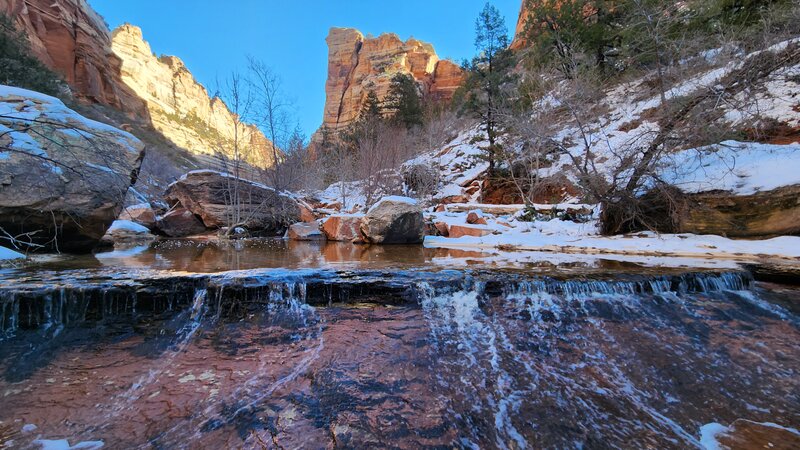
column 545, row 345
column 458, row 324
column 286, row 308
column 194, row 319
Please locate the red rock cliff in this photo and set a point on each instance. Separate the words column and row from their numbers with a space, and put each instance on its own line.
column 70, row 38
column 357, row 65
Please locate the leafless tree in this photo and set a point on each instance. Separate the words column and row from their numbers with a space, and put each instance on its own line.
column 234, row 92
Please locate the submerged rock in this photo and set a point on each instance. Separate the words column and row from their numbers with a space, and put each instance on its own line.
column 394, row 220
column 63, row 178
column 207, row 194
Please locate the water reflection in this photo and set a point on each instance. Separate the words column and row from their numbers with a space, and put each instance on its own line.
column 210, row 256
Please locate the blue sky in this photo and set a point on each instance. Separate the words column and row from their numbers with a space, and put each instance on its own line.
column 214, row 38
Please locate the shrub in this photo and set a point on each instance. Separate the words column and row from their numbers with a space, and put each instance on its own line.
column 18, row 66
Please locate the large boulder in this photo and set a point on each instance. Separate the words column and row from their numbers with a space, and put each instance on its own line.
column 180, row 222
column 343, row 227
column 208, row 194
column 763, row 214
column 394, row 220
column 63, row 178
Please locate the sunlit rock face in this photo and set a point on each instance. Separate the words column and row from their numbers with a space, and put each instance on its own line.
column 180, row 108
column 358, row 64
column 119, row 70
column 519, row 32
column 208, row 195
column 72, row 39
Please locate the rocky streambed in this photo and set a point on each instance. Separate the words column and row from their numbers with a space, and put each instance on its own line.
column 402, row 355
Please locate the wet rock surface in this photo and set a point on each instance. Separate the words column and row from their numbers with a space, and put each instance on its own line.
column 408, row 359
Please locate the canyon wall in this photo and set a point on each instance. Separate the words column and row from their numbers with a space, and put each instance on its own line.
column 70, row 38
column 180, row 108
column 119, row 70
column 357, row 65
column 519, row 32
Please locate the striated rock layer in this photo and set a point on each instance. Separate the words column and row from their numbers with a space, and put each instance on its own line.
column 72, row 39
column 119, row 70
column 357, row 65
column 180, row 108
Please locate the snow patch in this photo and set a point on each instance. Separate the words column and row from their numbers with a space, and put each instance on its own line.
column 127, row 225
column 743, row 168
column 9, row 255
column 393, row 199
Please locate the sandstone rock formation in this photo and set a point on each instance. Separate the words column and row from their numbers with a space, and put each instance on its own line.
column 522, row 22
column 764, row 214
column 141, row 214
column 357, row 65
column 179, row 107
column 72, row 39
column 62, row 177
column 207, row 195
column 180, row 222
column 305, row 231
column 394, row 220
column 119, row 70
column 343, row 227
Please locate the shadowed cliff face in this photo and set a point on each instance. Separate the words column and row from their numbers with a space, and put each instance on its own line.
column 70, row 38
column 357, row 65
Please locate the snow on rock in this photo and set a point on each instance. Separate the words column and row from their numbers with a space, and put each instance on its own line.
column 742, row 168
column 458, row 163
column 9, row 255
column 128, row 226
column 559, row 237
column 392, row 199
column 21, row 105
column 65, row 177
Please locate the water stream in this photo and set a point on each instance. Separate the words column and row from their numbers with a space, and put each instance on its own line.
column 407, row 356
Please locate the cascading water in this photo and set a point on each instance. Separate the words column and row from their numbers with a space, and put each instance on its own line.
column 372, row 359
column 545, row 346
